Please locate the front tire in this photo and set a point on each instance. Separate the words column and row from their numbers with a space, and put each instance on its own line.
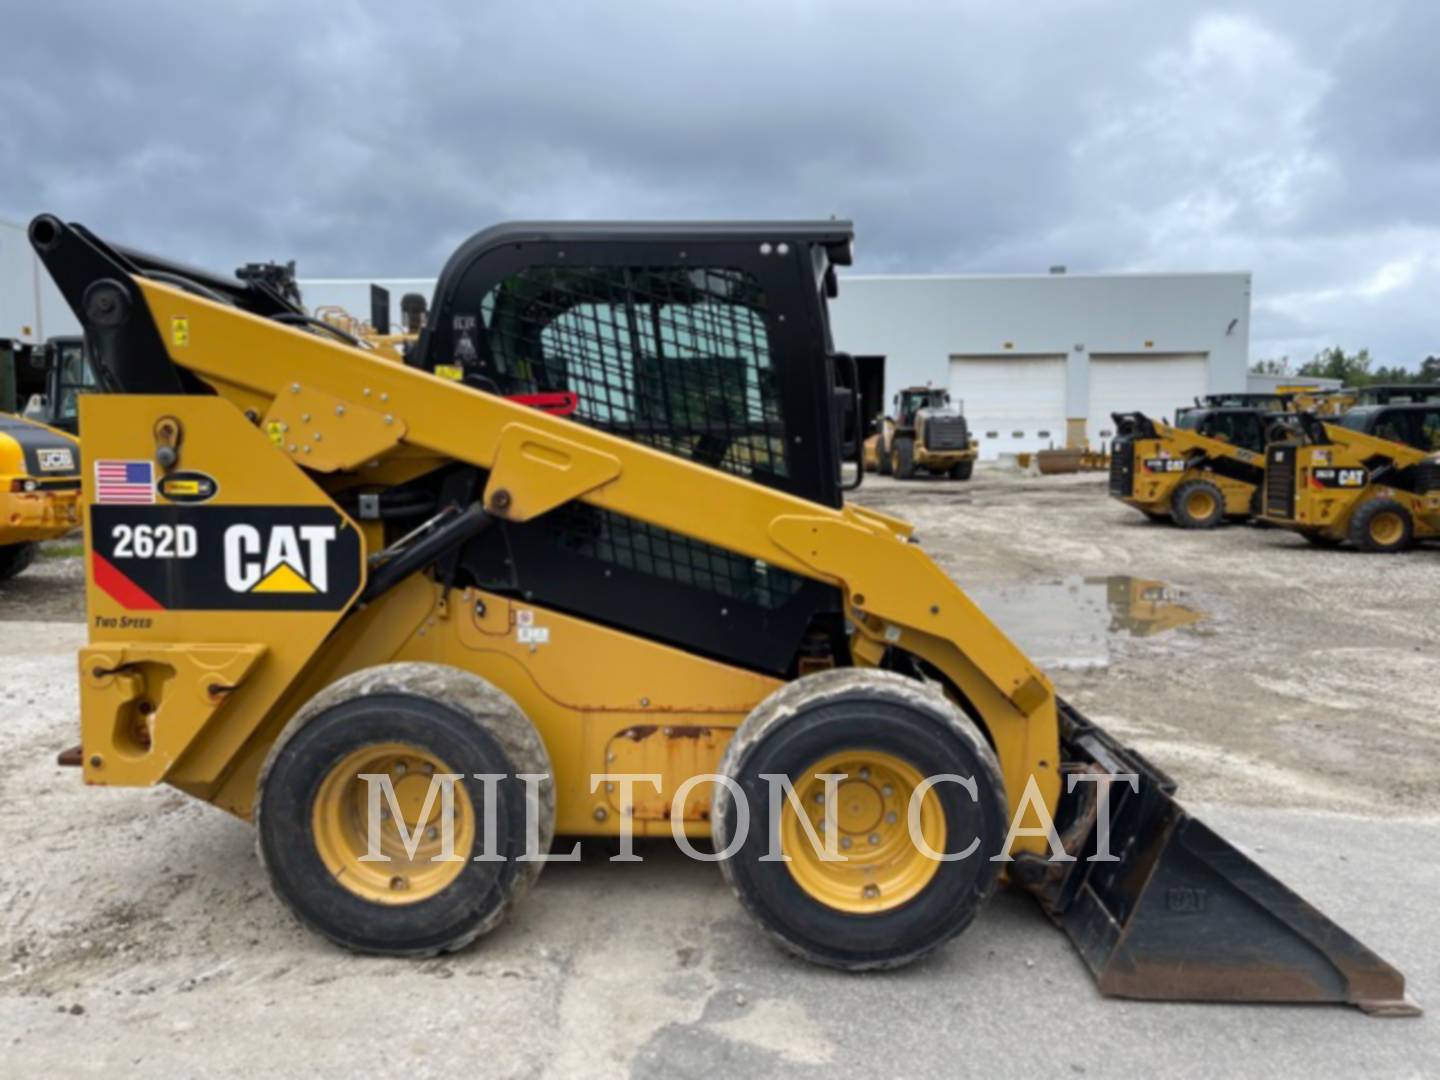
column 887, row 903
column 962, row 470
column 1197, row 504
column 1381, row 526
column 14, row 558
column 882, row 457
column 902, row 459
column 408, row 722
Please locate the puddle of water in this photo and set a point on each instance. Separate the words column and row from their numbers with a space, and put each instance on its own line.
column 1070, row 623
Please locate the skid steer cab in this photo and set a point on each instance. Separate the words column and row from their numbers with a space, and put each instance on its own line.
column 415, row 627
column 1370, row 478
column 1206, row 468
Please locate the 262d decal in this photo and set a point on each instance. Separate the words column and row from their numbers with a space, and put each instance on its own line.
column 225, row 558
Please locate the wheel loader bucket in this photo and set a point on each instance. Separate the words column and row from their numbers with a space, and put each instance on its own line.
column 1181, row 914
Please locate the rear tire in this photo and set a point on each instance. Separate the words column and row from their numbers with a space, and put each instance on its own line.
column 1381, row 526
column 407, row 721
column 14, row 558
column 1197, row 504
column 882, row 457
column 887, row 904
column 902, row 459
column 962, row 470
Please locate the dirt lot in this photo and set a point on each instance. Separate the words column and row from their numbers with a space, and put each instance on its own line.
column 1290, row 690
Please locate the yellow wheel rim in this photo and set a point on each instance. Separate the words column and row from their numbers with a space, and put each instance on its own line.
column 1386, row 528
column 1201, row 504
column 880, row 868
column 341, row 824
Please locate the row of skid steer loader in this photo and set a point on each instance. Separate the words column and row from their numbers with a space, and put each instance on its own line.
column 397, row 581
column 1370, row 477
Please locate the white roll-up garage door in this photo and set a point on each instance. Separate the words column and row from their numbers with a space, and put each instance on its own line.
column 1012, row 402
column 1155, row 384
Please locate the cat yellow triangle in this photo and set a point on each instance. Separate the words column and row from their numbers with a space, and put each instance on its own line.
column 283, row 579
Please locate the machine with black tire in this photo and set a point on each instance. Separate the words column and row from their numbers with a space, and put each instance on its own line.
column 415, row 628
column 1370, row 478
column 1206, row 468
column 39, row 490
column 927, row 433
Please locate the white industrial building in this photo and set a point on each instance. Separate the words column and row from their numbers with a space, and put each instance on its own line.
column 1038, row 360
column 1044, row 360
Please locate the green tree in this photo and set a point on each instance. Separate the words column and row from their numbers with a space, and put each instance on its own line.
column 1272, row 366
column 1353, row 369
column 1430, row 370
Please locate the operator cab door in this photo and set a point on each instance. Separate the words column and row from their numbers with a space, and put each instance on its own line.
column 711, row 345
column 1244, row 430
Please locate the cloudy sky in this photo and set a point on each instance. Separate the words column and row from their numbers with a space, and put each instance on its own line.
column 1297, row 140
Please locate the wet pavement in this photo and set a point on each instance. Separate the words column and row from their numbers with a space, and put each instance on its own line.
column 1072, row 623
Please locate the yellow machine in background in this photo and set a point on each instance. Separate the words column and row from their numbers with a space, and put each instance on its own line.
column 927, row 433
column 1208, row 467
column 39, row 489
column 1371, row 478
column 347, row 572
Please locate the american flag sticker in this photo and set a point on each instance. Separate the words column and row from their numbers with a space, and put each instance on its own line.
column 124, row 482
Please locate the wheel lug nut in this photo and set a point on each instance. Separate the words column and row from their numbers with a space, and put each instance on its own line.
column 400, row 768
column 870, row 892
column 864, row 774
column 432, row 833
column 890, row 818
column 874, row 838
column 820, row 798
column 397, row 883
column 887, row 791
column 845, row 842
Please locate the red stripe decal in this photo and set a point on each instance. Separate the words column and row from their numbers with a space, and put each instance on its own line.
column 121, row 589
column 556, row 403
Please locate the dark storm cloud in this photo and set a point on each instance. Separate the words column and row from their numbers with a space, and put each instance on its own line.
column 1296, row 140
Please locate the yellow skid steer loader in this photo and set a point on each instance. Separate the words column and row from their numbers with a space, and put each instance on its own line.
column 604, row 584
column 1370, row 478
column 1207, row 467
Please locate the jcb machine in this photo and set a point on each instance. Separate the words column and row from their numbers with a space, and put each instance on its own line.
column 40, row 460
column 336, row 586
column 1371, row 477
column 928, row 431
column 1207, row 467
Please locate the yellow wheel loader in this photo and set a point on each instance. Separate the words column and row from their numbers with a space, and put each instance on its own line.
column 1207, row 467
column 1370, row 478
column 416, row 628
column 927, row 433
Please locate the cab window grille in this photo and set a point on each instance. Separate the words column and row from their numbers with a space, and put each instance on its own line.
column 636, row 545
column 676, row 358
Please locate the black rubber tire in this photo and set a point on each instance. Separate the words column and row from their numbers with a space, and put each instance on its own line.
column 962, row 470
column 1179, row 509
column 903, row 463
column 469, row 725
column 14, row 558
column 862, row 709
column 882, row 456
column 1320, row 540
column 1359, row 532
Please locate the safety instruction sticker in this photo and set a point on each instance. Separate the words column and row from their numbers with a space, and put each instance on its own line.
column 180, row 330
column 526, row 632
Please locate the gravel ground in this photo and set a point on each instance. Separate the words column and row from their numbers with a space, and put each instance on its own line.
column 1290, row 691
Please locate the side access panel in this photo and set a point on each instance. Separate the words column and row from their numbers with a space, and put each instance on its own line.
column 209, row 585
